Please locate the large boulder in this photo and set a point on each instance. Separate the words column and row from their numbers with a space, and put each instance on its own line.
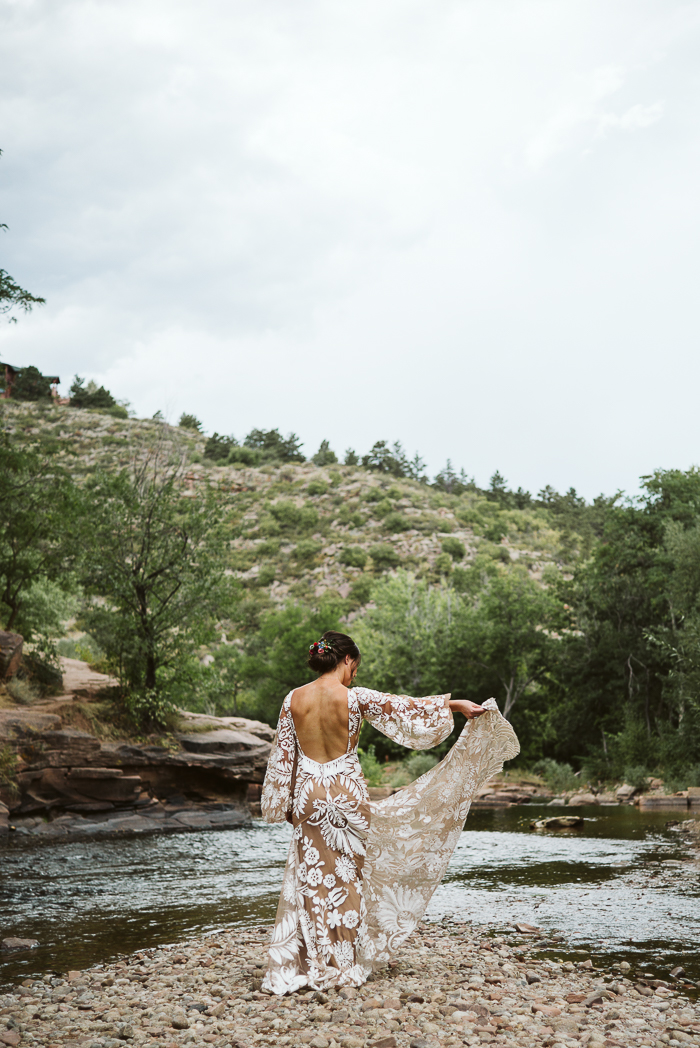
column 10, row 654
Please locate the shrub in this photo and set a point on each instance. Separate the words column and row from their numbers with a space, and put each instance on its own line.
column 218, row 447
column 8, row 769
column 273, row 446
column 637, row 775
column 418, row 764
column 384, row 557
column 294, row 518
column 22, row 691
column 335, row 477
column 150, row 710
column 190, row 422
column 351, row 458
column 361, row 591
column 559, row 777
column 495, row 532
column 396, row 522
column 454, row 547
column 371, row 768
column 306, row 551
column 443, row 564
column 243, row 457
column 316, row 487
column 353, row 556
column 324, row 456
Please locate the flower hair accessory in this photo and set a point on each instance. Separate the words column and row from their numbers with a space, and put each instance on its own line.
column 320, row 647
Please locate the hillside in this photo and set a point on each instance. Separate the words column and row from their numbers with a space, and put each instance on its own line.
column 298, row 531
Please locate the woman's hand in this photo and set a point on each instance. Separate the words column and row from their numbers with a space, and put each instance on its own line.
column 469, row 709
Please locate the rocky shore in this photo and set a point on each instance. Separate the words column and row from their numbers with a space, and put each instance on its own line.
column 452, row 984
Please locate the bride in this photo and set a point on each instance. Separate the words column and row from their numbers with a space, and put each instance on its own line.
column 360, row 874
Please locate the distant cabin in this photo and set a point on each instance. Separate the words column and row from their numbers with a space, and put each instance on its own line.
column 8, row 377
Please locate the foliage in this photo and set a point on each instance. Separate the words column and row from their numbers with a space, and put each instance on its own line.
column 12, row 296
column 273, row 446
column 351, row 458
column 154, row 559
column 316, row 487
column 30, row 384
column 353, row 556
column 90, row 396
column 454, row 548
column 324, row 456
column 39, row 513
column 218, row 448
column 274, row 658
column 46, row 606
column 190, row 422
column 8, row 769
column 559, row 777
column 393, row 460
column 384, row 557
column 371, row 767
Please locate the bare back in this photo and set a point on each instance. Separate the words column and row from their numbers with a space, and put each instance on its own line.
column 320, row 714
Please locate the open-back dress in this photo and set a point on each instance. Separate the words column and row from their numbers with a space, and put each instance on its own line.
column 360, row 874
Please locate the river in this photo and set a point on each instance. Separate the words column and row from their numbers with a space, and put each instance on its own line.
column 625, row 887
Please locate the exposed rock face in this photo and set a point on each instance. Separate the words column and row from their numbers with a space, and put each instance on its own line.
column 10, row 654
column 65, row 773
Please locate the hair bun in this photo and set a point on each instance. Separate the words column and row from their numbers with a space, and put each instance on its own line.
column 326, row 653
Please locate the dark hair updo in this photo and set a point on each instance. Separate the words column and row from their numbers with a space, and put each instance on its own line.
column 324, row 657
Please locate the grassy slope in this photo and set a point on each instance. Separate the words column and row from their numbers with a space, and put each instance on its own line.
column 281, row 554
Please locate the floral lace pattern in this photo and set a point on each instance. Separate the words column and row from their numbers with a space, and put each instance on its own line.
column 359, row 875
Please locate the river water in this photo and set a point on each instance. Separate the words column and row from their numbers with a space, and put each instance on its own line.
column 625, row 887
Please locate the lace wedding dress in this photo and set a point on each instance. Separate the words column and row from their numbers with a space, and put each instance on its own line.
column 360, row 874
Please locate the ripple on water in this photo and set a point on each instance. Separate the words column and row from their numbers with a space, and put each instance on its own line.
column 620, row 885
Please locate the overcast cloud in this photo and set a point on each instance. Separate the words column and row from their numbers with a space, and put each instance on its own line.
column 468, row 225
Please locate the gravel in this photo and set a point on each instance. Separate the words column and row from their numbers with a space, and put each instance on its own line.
column 452, row 984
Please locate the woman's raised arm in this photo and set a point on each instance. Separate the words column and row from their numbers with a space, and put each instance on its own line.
column 416, row 723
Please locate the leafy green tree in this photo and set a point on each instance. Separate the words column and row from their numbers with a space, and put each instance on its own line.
column 30, row 384
column 90, row 396
column 507, row 633
column 218, row 447
column 274, row 446
column 39, row 515
column 190, row 422
column 275, row 656
column 155, row 559
column 393, row 460
column 351, row 458
column 324, row 456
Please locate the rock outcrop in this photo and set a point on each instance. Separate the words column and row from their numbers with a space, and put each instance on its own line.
column 10, row 654
column 70, row 775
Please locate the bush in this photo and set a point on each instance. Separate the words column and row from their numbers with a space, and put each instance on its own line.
column 371, row 768
column 190, row 422
column 324, row 456
column 418, row 764
column 8, row 770
column 243, row 457
column 218, row 448
column 273, row 446
column 150, row 710
column 306, row 551
column 361, row 591
column 637, row 775
column 443, row 564
column 353, row 556
column 396, row 522
column 294, row 518
column 42, row 668
column 559, row 777
column 384, row 557
column 454, row 548
column 22, row 691
column 351, row 458
column 316, row 487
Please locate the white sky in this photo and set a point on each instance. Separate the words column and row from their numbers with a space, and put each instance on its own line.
column 471, row 225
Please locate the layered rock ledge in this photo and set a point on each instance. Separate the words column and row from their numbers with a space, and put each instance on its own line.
column 453, row 984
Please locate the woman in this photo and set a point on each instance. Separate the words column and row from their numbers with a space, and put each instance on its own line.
column 359, row 875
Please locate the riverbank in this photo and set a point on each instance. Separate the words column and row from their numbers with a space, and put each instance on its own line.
column 452, row 984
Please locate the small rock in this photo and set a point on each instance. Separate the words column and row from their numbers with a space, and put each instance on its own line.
column 13, row 943
column 371, row 1003
column 675, row 972
column 588, row 963
column 625, row 966
column 545, row 1009
column 180, row 1021
column 392, row 1002
column 532, row 977
column 351, row 1042
column 557, row 822
column 10, row 1037
column 384, row 1042
column 419, row 1042
column 320, row 1015
column 319, row 1042
column 527, row 929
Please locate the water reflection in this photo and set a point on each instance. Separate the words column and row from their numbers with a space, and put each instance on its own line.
column 623, row 885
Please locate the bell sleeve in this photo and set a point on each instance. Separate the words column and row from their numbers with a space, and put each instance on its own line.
column 276, row 799
column 415, row 723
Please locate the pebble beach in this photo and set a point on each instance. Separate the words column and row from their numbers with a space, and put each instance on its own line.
column 452, row 984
